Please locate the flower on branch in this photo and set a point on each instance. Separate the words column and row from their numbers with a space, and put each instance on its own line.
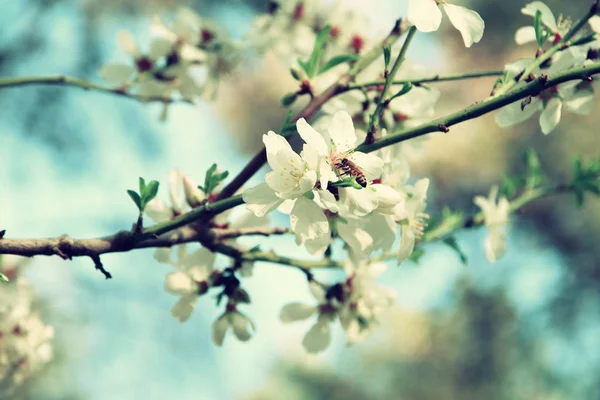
column 357, row 302
column 495, row 214
column 576, row 97
column 427, row 17
column 194, row 276
column 240, row 324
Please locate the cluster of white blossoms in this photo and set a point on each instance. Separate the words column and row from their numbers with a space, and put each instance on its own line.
column 25, row 341
column 427, row 17
column 330, row 190
column 574, row 96
column 187, row 57
column 358, row 303
column 495, row 215
column 289, row 29
column 194, row 270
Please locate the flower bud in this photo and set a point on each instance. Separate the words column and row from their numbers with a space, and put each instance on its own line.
column 289, row 99
column 193, row 195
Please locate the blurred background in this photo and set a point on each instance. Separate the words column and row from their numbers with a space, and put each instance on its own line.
column 526, row 327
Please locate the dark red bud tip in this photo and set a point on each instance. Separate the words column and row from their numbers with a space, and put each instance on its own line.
column 443, row 128
column 231, row 307
column 298, row 12
column 143, row 64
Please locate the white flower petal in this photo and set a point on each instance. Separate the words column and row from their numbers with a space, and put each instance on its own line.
column 281, row 181
column 547, row 15
column 162, row 255
column 273, row 144
column 241, row 326
column 318, row 291
column 180, row 283
column 358, row 239
column 312, row 137
column 495, row 243
column 310, row 225
column 550, row 117
column 296, row 312
column 158, row 210
column 407, row 244
column 317, row 338
column 184, row 307
column 513, row 114
column 342, row 133
column 581, row 102
column 370, row 164
column 310, row 156
column 261, row 200
column 595, row 23
column 116, row 73
column 525, row 34
column 424, row 14
column 128, row 43
column 174, row 191
column 468, row 22
column 160, row 48
column 219, row 329
column 359, row 202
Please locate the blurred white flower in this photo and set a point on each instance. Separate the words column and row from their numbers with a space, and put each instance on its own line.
column 526, row 34
column 411, row 216
column 427, row 16
column 572, row 96
column 194, row 276
column 495, row 216
column 241, row 325
column 25, row 341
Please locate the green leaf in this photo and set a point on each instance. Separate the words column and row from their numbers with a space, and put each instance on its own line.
column 509, row 187
column 255, row 249
column 539, row 28
column 212, row 178
column 453, row 244
column 304, row 66
column 387, row 52
column 317, row 52
column 584, row 40
column 534, row 169
column 337, row 60
column 416, row 255
column 295, row 74
column 142, row 185
column 136, row 199
column 3, row 278
column 289, row 99
column 407, row 87
column 150, row 192
column 347, row 182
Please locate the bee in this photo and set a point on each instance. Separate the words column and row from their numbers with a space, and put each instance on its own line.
column 347, row 167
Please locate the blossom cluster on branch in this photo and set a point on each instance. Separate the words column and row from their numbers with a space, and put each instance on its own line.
column 338, row 168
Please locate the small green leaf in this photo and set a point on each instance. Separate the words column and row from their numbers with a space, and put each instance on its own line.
column 509, row 187
column 539, row 29
column 416, row 255
column 254, row 249
column 337, row 60
column 347, row 182
column 150, row 192
column 534, row 169
column 136, row 199
column 317, row 52
column 3, row 278
column 407, row 87
column 387, row 52
column 295, row 74
column 212, row 179
column 142, row 185
column 304, row 66
column 584, row 40
column 453, row 244
column 289, row 99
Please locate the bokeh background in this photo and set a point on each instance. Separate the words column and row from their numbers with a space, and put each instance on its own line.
column 527, row 327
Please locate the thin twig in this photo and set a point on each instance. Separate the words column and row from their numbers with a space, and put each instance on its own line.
column 63, row 80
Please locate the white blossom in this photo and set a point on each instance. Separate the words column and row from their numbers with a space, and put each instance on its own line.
column 526, row 34
column 427, row 17
column 551, row 101
column 495, row 214
column 194, row 276
column 240, row 324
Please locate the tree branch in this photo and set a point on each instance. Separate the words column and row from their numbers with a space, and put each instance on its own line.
column 442, row 124
column 63, row 80
column 431, row 79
